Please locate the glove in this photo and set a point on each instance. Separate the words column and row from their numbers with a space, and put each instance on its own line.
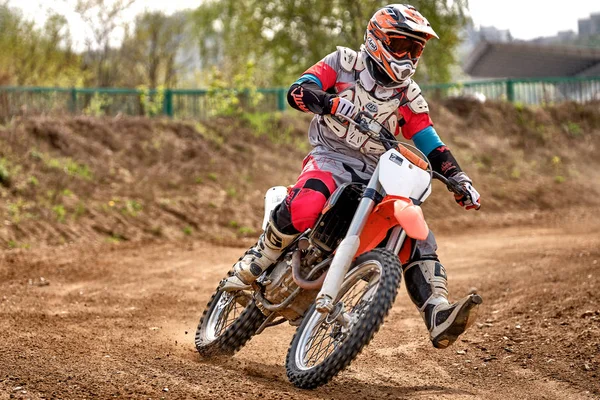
column 471, row 199
column 341, row 106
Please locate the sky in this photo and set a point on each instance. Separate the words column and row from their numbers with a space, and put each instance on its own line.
column 526, row 19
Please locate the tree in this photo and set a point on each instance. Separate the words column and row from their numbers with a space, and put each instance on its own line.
column 151, row 50
column 36, row 56
column 103, row 18
column 287, row 36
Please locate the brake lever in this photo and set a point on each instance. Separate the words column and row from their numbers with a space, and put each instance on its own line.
column 451, row 184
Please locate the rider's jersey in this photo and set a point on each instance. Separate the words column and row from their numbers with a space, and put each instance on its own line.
column 401, row 109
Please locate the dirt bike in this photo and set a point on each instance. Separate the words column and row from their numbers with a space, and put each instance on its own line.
column 337, row 281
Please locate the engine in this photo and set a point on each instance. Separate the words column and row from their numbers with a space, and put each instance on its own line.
column 281, row 285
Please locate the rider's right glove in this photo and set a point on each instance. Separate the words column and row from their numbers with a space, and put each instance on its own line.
column 340, row 106
column 472, row 198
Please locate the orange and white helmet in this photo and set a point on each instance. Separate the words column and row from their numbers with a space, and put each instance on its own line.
column 395, row 38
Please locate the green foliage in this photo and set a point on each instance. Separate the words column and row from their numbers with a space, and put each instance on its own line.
column 60, row 212
column 5, row 175
column 99, row 103
column 68, row 165
column 19, row 210
column 212, row 176
column 188, row 230
column 289, row 36
column 515, row 173
column 37, row 56
column 246, row 231
column 573, row 129
column 231, row 98
column 131, row 208
column 152, row 100
column 33, row 181
column 559, row 179
column 151, row 50
column 231, row 192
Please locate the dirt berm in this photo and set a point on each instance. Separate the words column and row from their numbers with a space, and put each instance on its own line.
column 152, row 208
column 65, row 180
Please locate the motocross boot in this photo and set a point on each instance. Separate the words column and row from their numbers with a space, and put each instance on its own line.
column 257, row 259
column 426, row 283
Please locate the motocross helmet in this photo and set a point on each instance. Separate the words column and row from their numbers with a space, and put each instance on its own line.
column 395, row 38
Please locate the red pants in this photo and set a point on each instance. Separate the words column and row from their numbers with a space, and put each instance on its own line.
column 306, row 200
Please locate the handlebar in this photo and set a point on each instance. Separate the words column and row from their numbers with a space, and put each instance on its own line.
column 453, row 185
column 366, row 124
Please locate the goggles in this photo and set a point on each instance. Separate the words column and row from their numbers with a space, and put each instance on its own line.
column 401, row 46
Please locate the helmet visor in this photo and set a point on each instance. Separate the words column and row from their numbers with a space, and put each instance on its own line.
column 402, row 46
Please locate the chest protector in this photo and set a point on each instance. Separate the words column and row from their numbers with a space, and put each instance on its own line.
column 384, row 111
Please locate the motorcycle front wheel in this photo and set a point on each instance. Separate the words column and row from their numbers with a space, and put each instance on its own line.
column 324, row 345
column 228, row 322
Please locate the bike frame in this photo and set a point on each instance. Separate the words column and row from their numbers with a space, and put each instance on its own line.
column 373, row 219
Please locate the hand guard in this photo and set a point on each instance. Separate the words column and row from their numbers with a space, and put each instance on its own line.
column 340, row 106
column 471, row 198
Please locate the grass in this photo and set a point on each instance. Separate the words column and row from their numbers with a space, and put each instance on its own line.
column 187, row 231
column 12, row 244
column 210, row 135
column 573, row 129
column 245, row 230
column 80, row 210
column 19, row 210
column 131, row 208
column 60, row 213
column 212, row 176
column 231, row 192
column 65, row 164
column 5, row 174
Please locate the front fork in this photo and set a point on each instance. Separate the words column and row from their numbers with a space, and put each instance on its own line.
column 349, row 246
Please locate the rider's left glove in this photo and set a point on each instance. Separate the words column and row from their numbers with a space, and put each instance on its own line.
column 340, row 106
column 471, row 199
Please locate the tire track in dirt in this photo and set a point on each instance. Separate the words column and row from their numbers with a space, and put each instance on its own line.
column 120, row 321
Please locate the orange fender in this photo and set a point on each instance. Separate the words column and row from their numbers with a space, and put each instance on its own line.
column 392, row 210
column 411, row 219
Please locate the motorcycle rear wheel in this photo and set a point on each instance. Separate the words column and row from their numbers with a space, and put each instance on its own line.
column 226, row 325
column 322, row 347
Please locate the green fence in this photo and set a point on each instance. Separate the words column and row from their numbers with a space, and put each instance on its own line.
column 198, row 104
column 526, row 91
column 181, row 104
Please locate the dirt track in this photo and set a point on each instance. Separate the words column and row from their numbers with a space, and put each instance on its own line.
column 119, row 321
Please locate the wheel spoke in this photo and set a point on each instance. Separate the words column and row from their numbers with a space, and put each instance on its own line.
column 321, row 338
column 225, row 313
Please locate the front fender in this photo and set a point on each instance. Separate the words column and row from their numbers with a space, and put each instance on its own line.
column 392, row 210
column 411, row 219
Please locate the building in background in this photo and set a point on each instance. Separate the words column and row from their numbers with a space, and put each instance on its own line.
column 589, row 26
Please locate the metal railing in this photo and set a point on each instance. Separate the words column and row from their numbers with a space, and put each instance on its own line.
column 182, row 104
column 200, row 104
column 533, row 91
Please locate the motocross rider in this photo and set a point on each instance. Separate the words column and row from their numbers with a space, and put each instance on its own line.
column 376, row 79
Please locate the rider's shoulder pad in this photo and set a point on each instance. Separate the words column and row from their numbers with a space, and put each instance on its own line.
column 419, row 105
column 416, row 101
column 349, row 59
column 412, row 91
